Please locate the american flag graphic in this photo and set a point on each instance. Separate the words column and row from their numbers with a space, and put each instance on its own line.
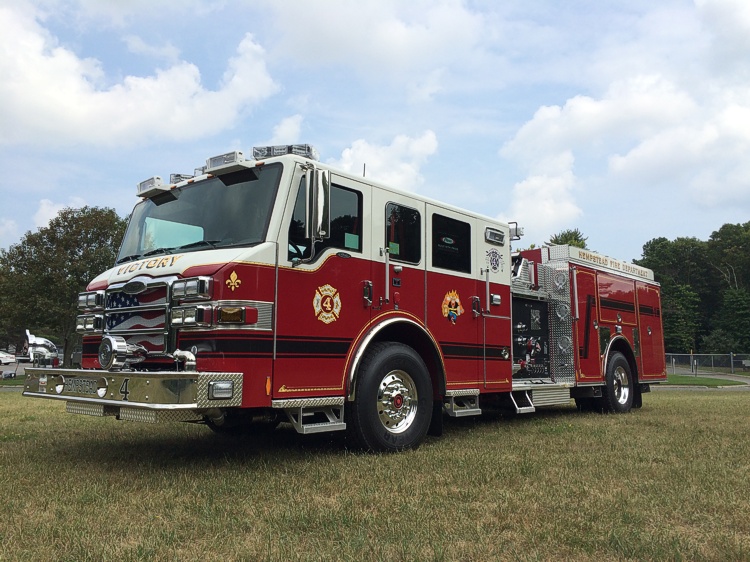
column 136, row 314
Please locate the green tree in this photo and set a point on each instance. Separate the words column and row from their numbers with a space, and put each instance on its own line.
column 729, row 249
column 571, row 237
column 43, row 274
column 690, row 289
column 681, row 318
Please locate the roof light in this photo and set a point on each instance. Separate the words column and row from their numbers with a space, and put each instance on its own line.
column 224, row 159
column 152, row 186
column 177, row 178
column 199, row 171
column 305, row 150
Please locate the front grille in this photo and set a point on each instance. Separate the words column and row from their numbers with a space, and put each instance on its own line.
column 141, row 319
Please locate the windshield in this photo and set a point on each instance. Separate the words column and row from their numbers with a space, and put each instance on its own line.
column 231, row 210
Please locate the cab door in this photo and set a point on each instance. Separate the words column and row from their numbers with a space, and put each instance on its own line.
column 493, row 259
column 397, row 254
column 320, row 304
column 453, row 292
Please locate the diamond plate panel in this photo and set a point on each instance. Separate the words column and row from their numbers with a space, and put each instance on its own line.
column 554, row 279
column 205, row 378
column 309, row 402
column 90, row 409
column 157, row 416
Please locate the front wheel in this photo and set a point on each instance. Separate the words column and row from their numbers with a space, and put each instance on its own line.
column 620, row 389
column 393, row 399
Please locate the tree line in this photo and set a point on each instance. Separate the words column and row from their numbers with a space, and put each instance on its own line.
column 705, row 286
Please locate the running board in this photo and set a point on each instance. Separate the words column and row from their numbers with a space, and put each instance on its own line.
column 314, row 415
column 522, row 402
column 463, row 402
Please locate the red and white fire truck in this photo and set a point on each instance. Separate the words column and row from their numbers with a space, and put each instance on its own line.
column 280, row 289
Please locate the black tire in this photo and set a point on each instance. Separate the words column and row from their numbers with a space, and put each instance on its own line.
column 392, row 405
column 620, row 385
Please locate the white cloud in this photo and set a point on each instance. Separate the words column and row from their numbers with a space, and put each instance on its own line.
column 630, row 110
column 138, row 46
column 48, row 210
column 728, row 21
column 397, row 164
column 383, row 39
column 287, row 131
column 543, row 203
column 50, row 95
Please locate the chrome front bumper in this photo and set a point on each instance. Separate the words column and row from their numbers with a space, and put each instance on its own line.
column 138, row 396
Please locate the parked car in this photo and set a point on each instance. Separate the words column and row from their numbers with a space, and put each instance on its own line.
column 6, row 358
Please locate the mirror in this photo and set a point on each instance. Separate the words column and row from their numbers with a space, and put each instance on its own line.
column 318, row 226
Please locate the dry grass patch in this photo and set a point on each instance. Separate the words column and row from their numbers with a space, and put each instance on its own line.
column 667, row 482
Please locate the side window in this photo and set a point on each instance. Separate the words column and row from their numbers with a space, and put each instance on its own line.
column 403, row 233
column 451, row 244
column 299, row 246
column 346, row 223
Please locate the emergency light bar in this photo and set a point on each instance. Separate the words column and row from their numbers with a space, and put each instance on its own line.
column 152, row 186
column 223, row 159
column 177, row 178
column 305, row 150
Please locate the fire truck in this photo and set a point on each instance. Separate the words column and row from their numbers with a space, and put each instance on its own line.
column 278, row 289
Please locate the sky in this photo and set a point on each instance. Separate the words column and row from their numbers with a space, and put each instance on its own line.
column 625, row 119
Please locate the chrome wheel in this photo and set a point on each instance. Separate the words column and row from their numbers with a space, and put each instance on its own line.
column 397, row 401
column 621, row 385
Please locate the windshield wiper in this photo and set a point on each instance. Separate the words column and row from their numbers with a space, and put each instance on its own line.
column 128, row 258
column 156, row 251
column 197, row 244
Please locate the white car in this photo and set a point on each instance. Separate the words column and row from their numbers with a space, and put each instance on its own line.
column 6, row 358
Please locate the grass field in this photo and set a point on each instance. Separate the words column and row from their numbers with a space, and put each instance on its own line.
column 697, row 380
column 670, row 481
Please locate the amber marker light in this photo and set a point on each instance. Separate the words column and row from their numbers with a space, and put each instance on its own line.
column 237, row 315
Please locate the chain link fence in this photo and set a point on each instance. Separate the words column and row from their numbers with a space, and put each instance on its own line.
column 682, row 363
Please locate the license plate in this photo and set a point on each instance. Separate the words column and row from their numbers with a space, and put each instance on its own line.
column 80, row 385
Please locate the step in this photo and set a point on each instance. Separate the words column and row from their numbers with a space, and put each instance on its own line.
column 463, row 402
column 522, row 402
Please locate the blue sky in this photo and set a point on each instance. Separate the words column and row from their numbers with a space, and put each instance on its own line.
column 628, row 120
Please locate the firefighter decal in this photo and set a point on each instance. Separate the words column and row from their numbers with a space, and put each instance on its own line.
column 327, row 304
column 452, row 308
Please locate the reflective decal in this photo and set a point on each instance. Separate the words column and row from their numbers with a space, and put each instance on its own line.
column 327, row 304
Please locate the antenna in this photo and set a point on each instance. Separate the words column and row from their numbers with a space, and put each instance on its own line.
column 364, row 169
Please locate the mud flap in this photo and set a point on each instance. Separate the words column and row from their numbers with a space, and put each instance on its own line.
column 436, row 423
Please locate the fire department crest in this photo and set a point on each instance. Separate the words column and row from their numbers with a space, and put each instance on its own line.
column 495, row 260
column 327, row 304
column 452, row 308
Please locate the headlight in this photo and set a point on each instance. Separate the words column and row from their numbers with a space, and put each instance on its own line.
column 191, row 316
column 89, row 323
column 91, row 300
column 192, row 288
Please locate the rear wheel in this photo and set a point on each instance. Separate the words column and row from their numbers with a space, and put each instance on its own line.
column 393, row 399
column 620, row 388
